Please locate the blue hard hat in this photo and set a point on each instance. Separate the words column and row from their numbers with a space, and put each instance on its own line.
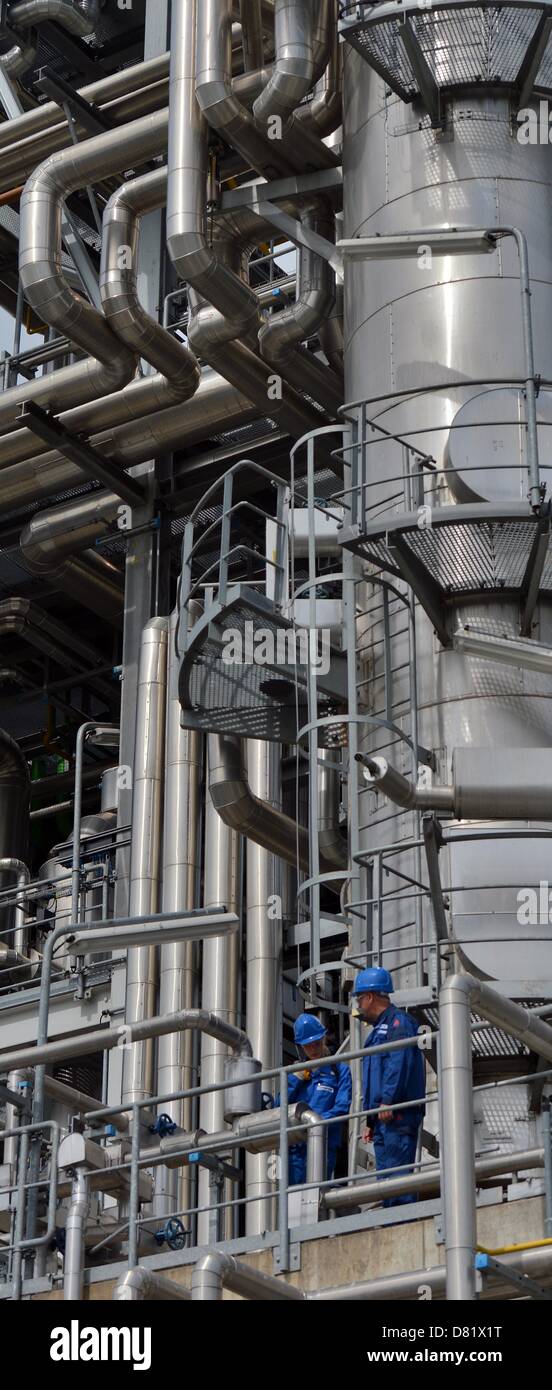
column 373, row 981
column 308, row 1029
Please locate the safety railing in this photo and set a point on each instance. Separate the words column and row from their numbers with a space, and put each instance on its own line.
column 330, row 1196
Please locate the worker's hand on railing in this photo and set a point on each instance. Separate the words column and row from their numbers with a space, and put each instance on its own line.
column 385, row 1116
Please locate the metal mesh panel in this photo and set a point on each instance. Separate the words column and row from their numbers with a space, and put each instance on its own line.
column 466, row 557
column 461, row 45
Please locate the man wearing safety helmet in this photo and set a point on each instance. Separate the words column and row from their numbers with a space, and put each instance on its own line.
column 327, row 1090
column 390, row 1078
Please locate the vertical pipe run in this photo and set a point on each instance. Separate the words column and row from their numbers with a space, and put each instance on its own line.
column 264, row 950
column 145, row 853
column 179, row 961
column 74, row 1239
column 458, row 1153
column 219, row 977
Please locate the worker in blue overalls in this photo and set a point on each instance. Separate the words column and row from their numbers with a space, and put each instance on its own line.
column 327, row 1090
column 390, row 1077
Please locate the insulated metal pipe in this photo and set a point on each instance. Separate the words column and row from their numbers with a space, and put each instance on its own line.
column 108, row 90
column 19, row 59
column 145, row 853
column 459, row 995
column 78, row 17
column 216, row 1271
column 216, row 406
column 281, row 336
column 264, row 963
column 323, row 114
column 15, row 790
column 46, row 288
column 119, row 286
column 251, row 20
column 266, row 825
column 213, row 84
column 23, row 876
column 293, row 71
column 219, row 975
column 535, row 1263
column 179, row 966
column 105, row 1039
column 142, row 1284
column 427, row 1182
column 75, row 1231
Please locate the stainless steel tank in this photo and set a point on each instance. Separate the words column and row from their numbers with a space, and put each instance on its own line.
column 440, row 324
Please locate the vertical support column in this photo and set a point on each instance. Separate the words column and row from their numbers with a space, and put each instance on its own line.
column 219, row 977
column 457, row 1139
column 264, row 952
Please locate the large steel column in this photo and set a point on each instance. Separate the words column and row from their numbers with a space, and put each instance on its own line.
column 178, row 973
column 264, row 951
column 219, row 977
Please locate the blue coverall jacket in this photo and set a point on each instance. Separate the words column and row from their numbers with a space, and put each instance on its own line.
column 328, row 1092
column 388, row 1078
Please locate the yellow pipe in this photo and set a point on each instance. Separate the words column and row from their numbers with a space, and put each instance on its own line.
column 510, row 1249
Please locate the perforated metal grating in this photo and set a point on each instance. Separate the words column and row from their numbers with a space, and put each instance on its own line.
column 461, row 44
column 461, row 557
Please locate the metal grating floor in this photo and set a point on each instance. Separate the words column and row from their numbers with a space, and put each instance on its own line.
column 459, row 556
column 461, row 44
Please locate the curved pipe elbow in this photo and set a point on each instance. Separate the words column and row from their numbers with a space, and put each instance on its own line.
column 19, row 59
column 119, row 288
column 383, row 777
column 79, row 18
column 294, row 69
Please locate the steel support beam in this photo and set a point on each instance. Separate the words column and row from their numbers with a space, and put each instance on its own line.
column 533, row 574
column 426, row 590
column 47, row 428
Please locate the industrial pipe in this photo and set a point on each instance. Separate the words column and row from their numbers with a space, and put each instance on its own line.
column 75, row 1232
column 119, row 287
column 15, row 791
column 145, row 851
column 142, row 1284
column 219, row 982
column 40, row 266
column 23, row 876
column 78, row 17
column 281, row 336
column 217, row 1271
column 293, row 72
column 105, row 1039
column 427, row 1181
column 487, row 783
column 178, row 968
column 212, row 70
column 217, row 406
column 459, row 995
column 238, row 807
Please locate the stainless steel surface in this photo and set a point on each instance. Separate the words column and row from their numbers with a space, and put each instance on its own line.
column 219, row 981
column 179, row 963
column 264, row 944
column 40, row 267
column 78, row 17
column 15, row 793
column 281, row 337
column 293, row 71
column 216, row 1271
column 145, row 854
column 142, row 1284
column 75, row 1230
column 260, row 821
column 119, row 287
